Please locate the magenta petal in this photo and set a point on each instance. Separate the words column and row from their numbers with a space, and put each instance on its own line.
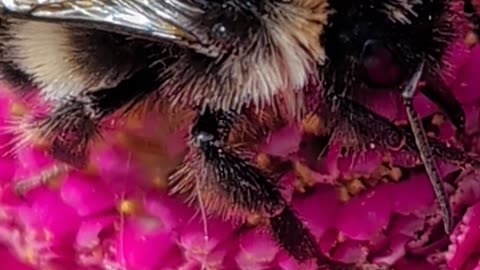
column 88, row 195
column 172, row 212
column 420, row 264
column 468, row 82
column 286, row 262
column 413, row 195
column 320, row 210
column 366, row 215
column 119, row 171
column 198, row 247
column 143, row 249
column 10, row 262
column 256, row 251
column 406, row 225
column 7, row 170
column 88, row 233
column 32, row 161
column 395, row 252
column 48, row 212
column 364, row 163
column 465, row 239
column 351, row 252
column 283, row 142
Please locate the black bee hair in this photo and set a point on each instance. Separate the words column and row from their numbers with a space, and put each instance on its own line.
column 233, row 62
column 472, row 10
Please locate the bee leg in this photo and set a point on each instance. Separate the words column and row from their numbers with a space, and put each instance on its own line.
column 75, row 122
column 378, row 130
column 425, row 151
column 233, row 185
column 440, row 94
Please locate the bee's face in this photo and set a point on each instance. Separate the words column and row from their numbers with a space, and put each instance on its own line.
column 380, row 47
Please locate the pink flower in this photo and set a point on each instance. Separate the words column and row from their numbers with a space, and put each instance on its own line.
column 117, row 214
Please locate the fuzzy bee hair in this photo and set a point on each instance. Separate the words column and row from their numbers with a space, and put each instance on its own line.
column 232, row 61
column 261, row 50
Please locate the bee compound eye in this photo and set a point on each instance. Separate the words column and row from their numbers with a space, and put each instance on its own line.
column 379, row 65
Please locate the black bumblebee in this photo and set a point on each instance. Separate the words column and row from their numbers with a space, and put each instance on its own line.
column 231, row 61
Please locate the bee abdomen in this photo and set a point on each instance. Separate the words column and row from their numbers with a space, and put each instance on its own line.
column 64, row 60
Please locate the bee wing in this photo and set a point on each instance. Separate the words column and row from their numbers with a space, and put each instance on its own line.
column 171, row 20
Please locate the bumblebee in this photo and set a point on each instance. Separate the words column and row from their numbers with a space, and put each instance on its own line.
column 231, row 61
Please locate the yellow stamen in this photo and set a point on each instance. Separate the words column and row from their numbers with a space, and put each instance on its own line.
column 355, row 187
column 396, row 174
column 471, row 39
column 18, row 109
column 130, row 207
column 160, row 182
column 264, row 161
column 313, row 124
column 304, row 178
column 438, row 119
column 343, row 194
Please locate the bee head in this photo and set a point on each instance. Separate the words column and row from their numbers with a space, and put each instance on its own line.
column 256, row 49
column 380, row 43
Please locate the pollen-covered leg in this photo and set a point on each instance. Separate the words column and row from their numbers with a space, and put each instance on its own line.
column 379, row 131
column 232, row 186
column 75, row 121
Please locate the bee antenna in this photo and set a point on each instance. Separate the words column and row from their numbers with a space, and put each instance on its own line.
column 424, row 149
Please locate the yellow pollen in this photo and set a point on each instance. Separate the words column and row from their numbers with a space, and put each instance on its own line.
column 39, row 141
column 355, row 187
column 304, row 177
column 97, row 252
column 438, row 119
column 263, row 161
column 18, row 109
column 130, row 207
column 254, row 219
column 133, row 122
column 341, row 237
column 313, row 124
column 47, row 234
column 30, row 256
column 91, row 169
column 471, row 39
column 160, row 182
column 396, row 174
column 380, row 172
column 343, row 194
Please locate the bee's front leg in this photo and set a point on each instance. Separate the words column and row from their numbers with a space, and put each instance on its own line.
column 225, row 180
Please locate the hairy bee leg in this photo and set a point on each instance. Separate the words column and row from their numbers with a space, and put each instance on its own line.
column 295, row 237
column 247, row 187
column 425, row 151
column 440, row 94
column 378, row 130
column 75, row 122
